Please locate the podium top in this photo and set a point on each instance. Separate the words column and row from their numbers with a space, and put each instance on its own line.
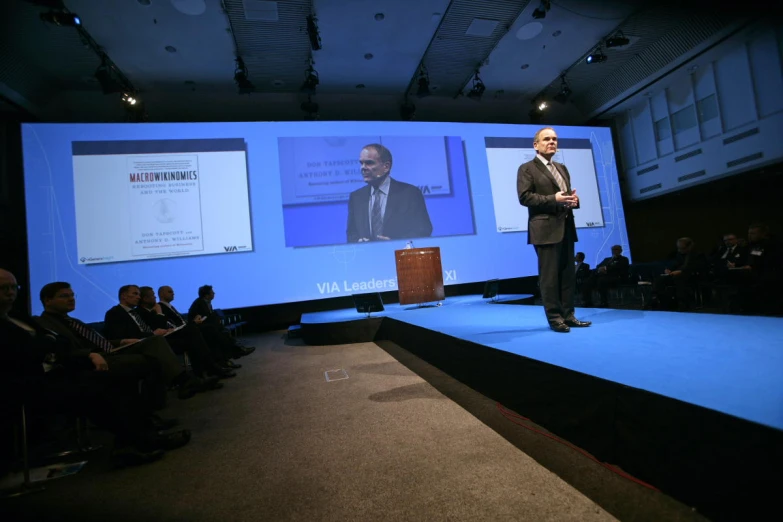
column 417, row 251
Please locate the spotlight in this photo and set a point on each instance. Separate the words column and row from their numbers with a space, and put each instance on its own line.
column 541, row 10
column 311, row 80
column 424, row 86
column 541, row 106
column 478, row 88
column 312, row 33
column 61, row 18
column 244, row 85
column 596, row 57
column 617, row 41
column 129, row 99
column 564, row 94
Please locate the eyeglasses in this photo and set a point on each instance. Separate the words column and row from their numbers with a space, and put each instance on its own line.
column 9, row 287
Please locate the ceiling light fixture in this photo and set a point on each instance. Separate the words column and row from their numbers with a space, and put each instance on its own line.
column 597, row 57
column 62, row 18
column 565, row 92
column 311, row 80
column 424, row 83
column 477, row 91
column 618, row 40
column 313, row 34
column 241, row 74
column 541, row 10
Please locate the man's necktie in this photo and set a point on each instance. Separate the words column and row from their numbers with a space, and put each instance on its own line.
column 140, row 321
column 558, row 178
column 377, row 219
column 89, row 334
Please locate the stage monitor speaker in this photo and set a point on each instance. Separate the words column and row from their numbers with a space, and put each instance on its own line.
column 491, row 289
column 368, row 303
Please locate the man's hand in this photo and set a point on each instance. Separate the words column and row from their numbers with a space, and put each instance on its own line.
column 667, row 272
column 601, row 269
column 126, row 342
column 157, row 309
column 576, row 200
column 160, row 331
column 675, row 273
column 199, row 319
column 99, row 362
column 566, row 199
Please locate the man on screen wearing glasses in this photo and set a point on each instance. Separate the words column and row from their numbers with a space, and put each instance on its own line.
column 544, row 187
column 386, row 208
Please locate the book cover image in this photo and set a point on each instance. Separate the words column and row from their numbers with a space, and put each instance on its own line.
column 165, row 204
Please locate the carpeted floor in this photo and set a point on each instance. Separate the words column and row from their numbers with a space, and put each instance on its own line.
column 279, row 442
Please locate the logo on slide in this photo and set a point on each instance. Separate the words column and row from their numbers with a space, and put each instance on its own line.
column 165, row 210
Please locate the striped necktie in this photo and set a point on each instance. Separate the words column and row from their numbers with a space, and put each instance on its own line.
column 87, row 333
column 139, row 320
column 558, row 177
column 376, row 218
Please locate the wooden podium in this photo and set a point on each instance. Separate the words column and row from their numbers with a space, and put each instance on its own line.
column 419, row 275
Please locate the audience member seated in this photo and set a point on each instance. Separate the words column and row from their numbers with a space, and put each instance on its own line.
column 581, row 269
column 674, row 288
column 150, row 359
column 123, row 321
column 762, row 272
column 153, row 315
column 729, row 256
column 31, row 376
column 215, row 335
column 610, row 272
column 202, row 309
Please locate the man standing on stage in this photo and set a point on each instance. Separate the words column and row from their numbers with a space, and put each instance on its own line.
column 544, row 187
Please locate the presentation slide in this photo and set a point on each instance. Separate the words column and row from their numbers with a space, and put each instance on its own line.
column 279, row 212
column 319, row 176
column 159, row 198
column 505, row 155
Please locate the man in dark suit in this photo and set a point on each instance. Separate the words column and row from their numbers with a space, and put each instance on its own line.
column 31, row 376
column 385, row 208
column 123, row 321
column 609, row 272
column 544, row 187
column 581, row 269
column 150, row 359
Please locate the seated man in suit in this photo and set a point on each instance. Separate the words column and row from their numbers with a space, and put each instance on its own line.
column 581, row 269
column 150, row 359
column 729, row 256
column 124, row 321
column 31, row 376
column 201, row 312
column 385, row 208
column 681, row 274
column 215, row 334
column 153, row 315
column 609, row 272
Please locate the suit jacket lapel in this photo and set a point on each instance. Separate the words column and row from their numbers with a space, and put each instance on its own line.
column 389, row 213
column 364, row 212
column 546, row 172
column 566, row 177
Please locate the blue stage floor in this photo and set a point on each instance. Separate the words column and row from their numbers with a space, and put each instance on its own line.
column 731, row 364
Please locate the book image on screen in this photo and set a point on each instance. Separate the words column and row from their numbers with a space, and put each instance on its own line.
column 147, row 199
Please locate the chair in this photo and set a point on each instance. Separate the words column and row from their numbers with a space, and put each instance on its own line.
column 26, row 486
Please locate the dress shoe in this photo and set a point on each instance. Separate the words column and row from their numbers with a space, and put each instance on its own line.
column 241, row 351
column 161, row 424
column 576, row 323
column 189, row 388
column 130, row 456
column 221, row 373
column 559, row 327
column 231, row 365
column 168, row 441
